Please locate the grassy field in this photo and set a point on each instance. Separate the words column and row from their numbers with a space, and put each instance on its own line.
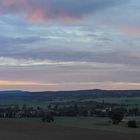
column 34, row 104
column 97, row 123
column 128, row 101
column 62, row 129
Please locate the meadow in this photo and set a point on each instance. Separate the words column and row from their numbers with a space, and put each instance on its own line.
column 129, row 102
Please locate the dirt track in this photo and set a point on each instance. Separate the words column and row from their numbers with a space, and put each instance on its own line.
column 31, row 130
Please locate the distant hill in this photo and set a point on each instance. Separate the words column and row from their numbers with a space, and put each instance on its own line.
column 46, row 97
column 97, row 93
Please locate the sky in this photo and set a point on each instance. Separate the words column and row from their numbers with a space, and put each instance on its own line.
column 69, row 44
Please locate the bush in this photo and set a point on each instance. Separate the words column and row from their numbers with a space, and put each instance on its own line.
column 115, row 121
column 132, row 124
column 48, row 118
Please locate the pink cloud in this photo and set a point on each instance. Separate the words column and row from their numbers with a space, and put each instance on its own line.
column 37, row 14
column 131, row 30
column 34, row 10
column 66, row 10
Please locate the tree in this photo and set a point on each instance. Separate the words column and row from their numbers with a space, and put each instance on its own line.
column 24, row 107
column 16, row 108
column 135, row 111
column 38, row 108
column 116, row 115
column 49, row 106
column 55, row 107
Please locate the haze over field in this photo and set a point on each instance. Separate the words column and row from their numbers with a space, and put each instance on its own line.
column 69, row 44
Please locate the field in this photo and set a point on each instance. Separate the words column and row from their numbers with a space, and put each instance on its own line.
column 34, row 129
column 129, row 102
column 97, row 123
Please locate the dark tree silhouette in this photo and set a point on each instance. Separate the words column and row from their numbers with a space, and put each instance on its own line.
column 116, row 115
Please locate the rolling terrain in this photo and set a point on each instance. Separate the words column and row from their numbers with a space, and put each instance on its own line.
column 128, row 97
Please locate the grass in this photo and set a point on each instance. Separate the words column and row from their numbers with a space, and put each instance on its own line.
column 34, row 129
column 34, row 104
column 130, row 102
column 96, row 123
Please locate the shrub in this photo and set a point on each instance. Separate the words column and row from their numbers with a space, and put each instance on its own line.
column 47, row 118
column 115, row 121
column 132, row 124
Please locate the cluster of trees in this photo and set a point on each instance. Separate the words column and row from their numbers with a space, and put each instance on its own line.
column 56, row 110
column 99, row 110
column 117, row 116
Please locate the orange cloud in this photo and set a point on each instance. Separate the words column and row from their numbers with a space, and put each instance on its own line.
column 24, row 83
column 95, row 85
column 42, row 86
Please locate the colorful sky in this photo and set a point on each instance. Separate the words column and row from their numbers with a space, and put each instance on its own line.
column 69, row 44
